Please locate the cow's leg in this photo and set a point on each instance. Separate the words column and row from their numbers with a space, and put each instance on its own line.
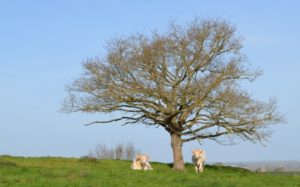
column 201, row 167
column 196, row 168
column 143, row 166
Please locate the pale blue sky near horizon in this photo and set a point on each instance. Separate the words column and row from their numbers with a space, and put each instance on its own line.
column 43, row 43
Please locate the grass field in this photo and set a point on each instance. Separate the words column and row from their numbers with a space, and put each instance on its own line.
column 56, row 172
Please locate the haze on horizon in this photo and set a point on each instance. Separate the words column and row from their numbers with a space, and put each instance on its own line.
column 44, row 42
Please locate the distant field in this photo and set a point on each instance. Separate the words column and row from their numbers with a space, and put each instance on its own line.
column 56, row 172
column 288, row 173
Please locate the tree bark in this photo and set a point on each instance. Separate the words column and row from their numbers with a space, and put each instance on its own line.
column 176, row 144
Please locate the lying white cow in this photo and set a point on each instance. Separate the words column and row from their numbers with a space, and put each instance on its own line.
column 198, row 159
column 141, row 163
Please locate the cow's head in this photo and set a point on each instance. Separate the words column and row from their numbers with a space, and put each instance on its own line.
column 198, row 153
column 142, row 158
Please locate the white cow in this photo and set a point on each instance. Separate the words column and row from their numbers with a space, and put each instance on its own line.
column 141, row 163
column 198, row 159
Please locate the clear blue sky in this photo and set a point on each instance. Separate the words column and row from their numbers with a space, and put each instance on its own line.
column 42, row 45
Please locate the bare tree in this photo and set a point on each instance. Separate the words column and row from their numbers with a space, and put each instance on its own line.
column 130, row 151
column 120, row 151
column 103, row 152
column 186, row 80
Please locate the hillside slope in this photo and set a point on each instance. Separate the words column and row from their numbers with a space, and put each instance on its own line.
column 50, row 171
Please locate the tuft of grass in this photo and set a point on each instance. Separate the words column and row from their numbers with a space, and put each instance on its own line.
column 4, row 163
column 53, row 171
column 88, row 159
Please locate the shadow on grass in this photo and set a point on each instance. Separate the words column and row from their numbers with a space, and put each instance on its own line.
column 227, row 168
column 214, row 167
column 170, row 165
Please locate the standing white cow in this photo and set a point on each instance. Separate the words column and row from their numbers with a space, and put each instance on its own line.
column 141, row 163
column 198, row 159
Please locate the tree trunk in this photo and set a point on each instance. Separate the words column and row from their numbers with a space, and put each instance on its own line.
column 176, row 144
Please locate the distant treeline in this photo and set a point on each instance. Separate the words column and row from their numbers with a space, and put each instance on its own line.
column 119, row 152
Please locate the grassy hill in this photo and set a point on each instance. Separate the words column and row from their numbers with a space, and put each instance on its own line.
column 56, row 172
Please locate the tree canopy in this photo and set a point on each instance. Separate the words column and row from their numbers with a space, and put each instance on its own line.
column 186, row 80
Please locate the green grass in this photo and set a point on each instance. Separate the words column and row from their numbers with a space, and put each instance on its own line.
column 56, row 172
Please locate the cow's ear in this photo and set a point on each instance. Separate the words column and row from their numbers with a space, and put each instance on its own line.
column 138, row 157
column 147, row 157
